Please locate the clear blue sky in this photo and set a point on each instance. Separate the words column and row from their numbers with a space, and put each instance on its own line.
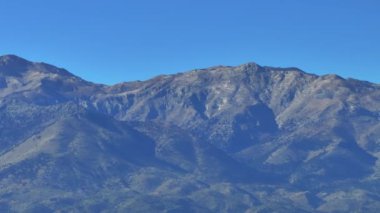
column 123, row 40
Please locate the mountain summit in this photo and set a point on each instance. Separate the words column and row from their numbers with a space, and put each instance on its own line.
column 222, row 139
column 6, row 59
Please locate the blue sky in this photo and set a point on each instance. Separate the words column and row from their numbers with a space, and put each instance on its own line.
column 124, row 40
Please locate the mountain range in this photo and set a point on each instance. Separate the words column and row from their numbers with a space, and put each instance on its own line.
column 248, row 138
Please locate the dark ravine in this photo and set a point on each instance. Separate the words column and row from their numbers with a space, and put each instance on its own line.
column 223, row 139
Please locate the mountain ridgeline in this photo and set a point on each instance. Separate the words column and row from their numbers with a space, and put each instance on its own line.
column 223, row 139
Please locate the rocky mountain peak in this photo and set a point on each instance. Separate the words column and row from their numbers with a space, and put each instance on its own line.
column 39, row 83
column 250, row 66
column 13, row 65
column 12, row 59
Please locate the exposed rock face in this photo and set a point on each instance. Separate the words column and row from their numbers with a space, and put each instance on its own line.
column 225, row 139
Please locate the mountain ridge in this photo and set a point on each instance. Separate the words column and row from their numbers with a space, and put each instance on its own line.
column 226, row 138
column 15, row 58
